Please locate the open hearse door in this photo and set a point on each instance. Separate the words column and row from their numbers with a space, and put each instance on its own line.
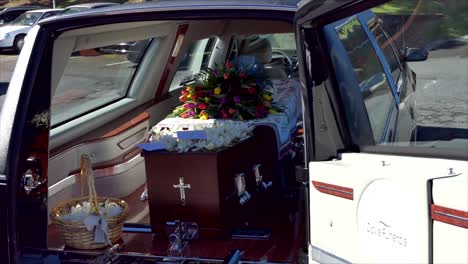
column 373, row 197
column 24, row 151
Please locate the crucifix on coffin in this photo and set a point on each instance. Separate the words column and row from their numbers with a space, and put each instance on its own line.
column 182, row 186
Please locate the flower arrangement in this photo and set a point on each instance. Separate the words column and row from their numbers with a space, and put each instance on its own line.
column 218, row 135
column 228, row 92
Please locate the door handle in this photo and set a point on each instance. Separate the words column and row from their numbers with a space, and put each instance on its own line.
column 32, row 177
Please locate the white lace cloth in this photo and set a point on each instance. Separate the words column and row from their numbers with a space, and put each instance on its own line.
column 286, row 95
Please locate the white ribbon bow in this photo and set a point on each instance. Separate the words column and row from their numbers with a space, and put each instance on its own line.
column 99, row 225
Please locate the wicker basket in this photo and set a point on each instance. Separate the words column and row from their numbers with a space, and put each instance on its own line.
column 75, row 233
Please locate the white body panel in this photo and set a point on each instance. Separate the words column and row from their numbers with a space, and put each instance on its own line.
column 388, row 218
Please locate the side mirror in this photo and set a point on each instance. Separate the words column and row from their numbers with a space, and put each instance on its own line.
column 415, row 54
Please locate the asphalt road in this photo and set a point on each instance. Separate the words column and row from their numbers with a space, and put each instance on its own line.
column 441, row 98
column 442, row 91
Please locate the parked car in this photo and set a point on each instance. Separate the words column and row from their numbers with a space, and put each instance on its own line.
column 13, row 34
column 8, row 14
column 83, row 7
column 354, row 180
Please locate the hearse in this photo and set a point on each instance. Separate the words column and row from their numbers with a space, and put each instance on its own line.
column 340, row 173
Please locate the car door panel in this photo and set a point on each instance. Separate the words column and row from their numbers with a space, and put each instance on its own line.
column 117, row 163
column 407, row 206
column 25, row 136
column 406, row 125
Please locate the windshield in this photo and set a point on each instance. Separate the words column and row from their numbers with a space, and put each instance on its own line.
column 26, row 19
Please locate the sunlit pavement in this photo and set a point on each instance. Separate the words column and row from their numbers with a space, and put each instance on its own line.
column 7, row 65
column 441, row 93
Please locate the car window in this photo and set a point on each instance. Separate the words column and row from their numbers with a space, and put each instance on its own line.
column 49, row 14
column 27, row 19
column 94, row 78
column 285, row 42
column 432, row 108
column 387, row 48
column 10, row 16
column 195, row 59
column 369, row 73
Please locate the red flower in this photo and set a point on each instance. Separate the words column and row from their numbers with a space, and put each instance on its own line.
column 226, row 76
column 229, row 65
column 252, row 90
column 232, row 111
column 243, row 75
column 266, row 103
column 260, row 108
column 202, row 106
column 183, row 98
column 194, row 97
column 197, row 89
column 224, row 115
column 185, row 92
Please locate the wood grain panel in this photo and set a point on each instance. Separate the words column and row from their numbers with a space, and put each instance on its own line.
column 144, row 116
column 335, row 190
column 182, row 29
column 449, row 216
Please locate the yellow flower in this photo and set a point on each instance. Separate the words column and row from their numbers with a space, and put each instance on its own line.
column 207, row 99
column 189, row 95
column 267, row 97
column 273, row 111
column 217, row 90
column 203, row 117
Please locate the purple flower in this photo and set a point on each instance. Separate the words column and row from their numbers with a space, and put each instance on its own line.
column 237, row 99
column 223, row 100
column 190, row 113
column 215, row 72
column 190, row 105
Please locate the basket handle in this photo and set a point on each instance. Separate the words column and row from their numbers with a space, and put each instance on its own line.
column 88, row 175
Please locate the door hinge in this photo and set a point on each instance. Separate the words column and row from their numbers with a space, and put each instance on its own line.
column 302, row 174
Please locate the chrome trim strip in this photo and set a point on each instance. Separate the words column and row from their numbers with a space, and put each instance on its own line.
column 137, row 229
column 452, row 216
column 322, row 256
column 333, row 189
column 3, row 178
column 138, row 137
column 99, row 173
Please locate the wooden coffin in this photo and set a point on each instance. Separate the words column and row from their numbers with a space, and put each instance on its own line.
column 212, row 200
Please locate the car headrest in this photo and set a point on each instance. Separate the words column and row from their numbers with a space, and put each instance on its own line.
column 260, row 48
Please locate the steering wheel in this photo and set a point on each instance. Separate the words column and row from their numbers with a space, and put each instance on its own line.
column 284, row 57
